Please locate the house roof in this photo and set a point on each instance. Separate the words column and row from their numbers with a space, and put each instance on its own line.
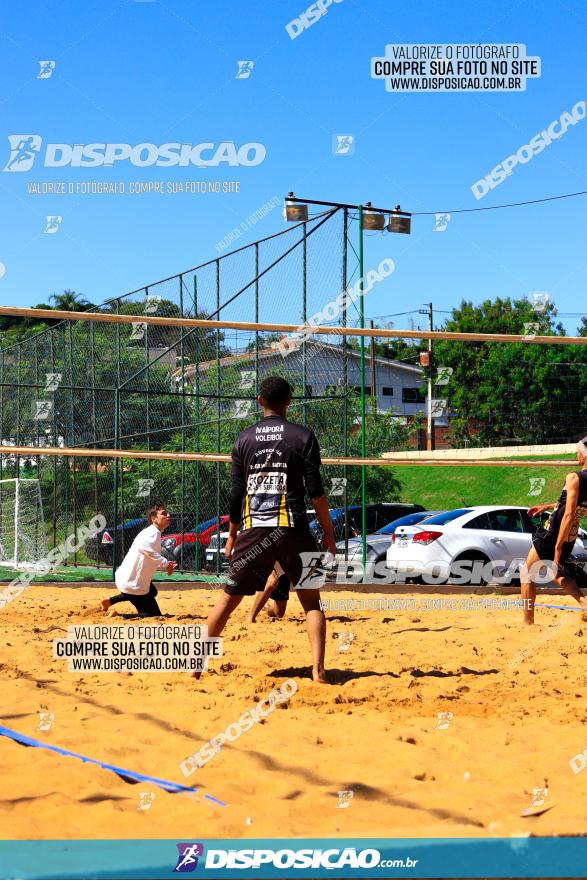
column 248, row 357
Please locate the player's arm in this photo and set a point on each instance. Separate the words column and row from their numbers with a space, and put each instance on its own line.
column 320, row 505
column 572, row 487
column 540, row 508
column 147, row 548
column 315, row 489
column 237, row 493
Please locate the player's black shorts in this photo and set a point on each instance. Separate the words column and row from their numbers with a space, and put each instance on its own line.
column 257, row 550
column 281, row 591
column 545, row 544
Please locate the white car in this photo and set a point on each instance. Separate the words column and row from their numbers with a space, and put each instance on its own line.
column 212, row 552
column 471, row 545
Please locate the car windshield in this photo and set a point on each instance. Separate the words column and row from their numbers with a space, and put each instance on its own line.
column 442, row 518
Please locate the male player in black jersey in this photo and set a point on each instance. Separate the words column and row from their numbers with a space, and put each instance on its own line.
column 273, row 463
column 555, row 541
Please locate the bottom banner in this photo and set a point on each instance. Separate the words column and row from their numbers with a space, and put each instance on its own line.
column 282, row 858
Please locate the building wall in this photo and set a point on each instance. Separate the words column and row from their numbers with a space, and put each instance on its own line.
column 324, row 368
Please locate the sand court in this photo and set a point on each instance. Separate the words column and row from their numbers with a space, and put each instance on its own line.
column 440, row 721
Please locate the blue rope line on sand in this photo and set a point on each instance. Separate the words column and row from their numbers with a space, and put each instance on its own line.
column 216, row 801
column 562, row 607
column 126, row 775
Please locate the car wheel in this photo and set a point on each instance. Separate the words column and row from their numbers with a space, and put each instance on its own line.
column 477, row 579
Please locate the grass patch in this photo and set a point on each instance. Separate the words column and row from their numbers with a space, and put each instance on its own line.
column 438, row 488
column 78, row 574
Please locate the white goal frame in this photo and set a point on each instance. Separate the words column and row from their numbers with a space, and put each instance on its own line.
column 26, row 544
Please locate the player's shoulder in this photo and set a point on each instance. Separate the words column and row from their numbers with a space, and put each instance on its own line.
column 301, row 431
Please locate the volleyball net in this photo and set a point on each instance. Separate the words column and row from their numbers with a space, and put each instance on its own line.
column 503, row 416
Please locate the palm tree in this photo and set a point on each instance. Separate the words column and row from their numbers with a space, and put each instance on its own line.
column 70, row 301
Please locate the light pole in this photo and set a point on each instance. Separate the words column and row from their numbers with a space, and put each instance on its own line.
column 363, row 409
column 295, row 210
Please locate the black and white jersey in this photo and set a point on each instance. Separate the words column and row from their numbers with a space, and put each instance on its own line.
column 274, row 463
column 552, row 527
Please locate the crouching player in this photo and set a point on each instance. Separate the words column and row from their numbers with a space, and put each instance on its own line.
column 134, row 576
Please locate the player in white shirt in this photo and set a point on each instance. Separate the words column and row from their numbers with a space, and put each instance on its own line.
column 134, row 575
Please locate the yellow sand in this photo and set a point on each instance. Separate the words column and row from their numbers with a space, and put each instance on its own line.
column 373, row 731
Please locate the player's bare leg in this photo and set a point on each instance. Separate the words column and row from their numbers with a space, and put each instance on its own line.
column 262, row 598
column 528, row 586
column 276, row 608
column 105, row 603
column 218, row 617
column 570, row 587
column 316, row 626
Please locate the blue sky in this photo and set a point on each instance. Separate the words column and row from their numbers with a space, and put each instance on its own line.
column 134, row 72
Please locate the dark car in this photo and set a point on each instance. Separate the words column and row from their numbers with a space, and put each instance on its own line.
column 101, row 547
